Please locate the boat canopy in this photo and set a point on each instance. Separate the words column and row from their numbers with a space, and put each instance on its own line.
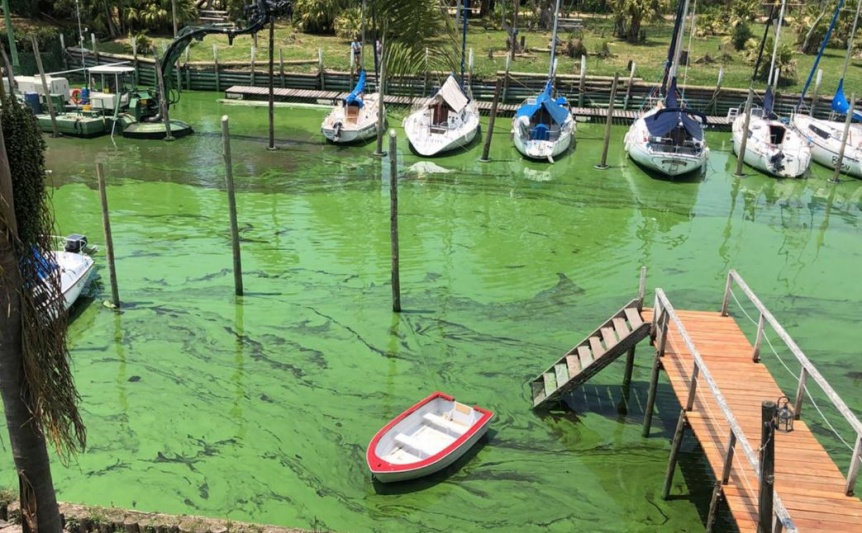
column 672, row 116
column 555, row 108
column 840, row 103
column 44, row 266
column 452, row 94
column 354, row 97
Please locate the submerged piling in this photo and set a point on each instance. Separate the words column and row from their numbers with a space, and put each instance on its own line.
column 109, row 239
column 231, row 202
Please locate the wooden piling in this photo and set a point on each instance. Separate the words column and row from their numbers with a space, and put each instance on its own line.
column 253, row 53
column 163, row 101
column 231, row 202
column 506, row 78
column 215, row 66
column 674, row 454
column 486, row 150
column 713, row 506
column 582, row 84
column 767, row 465
column 814, row 96
column 653, row 386
column 393, row 222
column 271, row 87
column 320, row 70
column 741, row 155
column 109, row 240
column 381, row 113
column 604, row 163
column 54, row 127
column 836, row 176
column 281, row 67
column 629, row 87
column 623, row 407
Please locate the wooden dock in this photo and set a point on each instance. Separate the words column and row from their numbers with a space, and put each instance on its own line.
column 588, row 114
column 709, row 351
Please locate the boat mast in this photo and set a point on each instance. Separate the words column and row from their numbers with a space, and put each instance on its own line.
column 554, row 41
column 770, row 81
column 820, row 51
column 465, row 6
column 678, row 40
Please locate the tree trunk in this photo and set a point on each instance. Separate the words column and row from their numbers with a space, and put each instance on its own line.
column 634, row 30
column 27, row 442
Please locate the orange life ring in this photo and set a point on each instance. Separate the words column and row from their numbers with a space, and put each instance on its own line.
column 76, row 96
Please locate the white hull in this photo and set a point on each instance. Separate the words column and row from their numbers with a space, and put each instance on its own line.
column 425, row 439
column 560, row 141
column 772, row 146
column 429, row 139
column 825, row 137
column 661, row 155
column 347, row 124
column 75, row 270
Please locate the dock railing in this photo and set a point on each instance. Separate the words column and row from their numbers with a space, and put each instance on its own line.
column 808, row 370
column 663, row 314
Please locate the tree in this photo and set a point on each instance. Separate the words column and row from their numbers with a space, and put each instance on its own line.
column 630, row 14
column 39, row 395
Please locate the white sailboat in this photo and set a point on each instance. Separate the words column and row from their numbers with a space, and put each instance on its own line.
column 543, row 127
column 448, row 120
column 669, row 138
column 826, row 136
column 354, row 117
column 773, row 146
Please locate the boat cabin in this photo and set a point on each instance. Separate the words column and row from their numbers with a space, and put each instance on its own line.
column 109, row 84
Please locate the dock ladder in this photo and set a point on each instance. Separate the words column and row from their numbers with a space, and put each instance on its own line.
column 618, row 335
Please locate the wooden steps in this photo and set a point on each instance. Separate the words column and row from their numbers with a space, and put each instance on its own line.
column 620, row 333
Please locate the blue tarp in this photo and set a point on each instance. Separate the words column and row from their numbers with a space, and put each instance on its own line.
column 673, row 116
column 840, row 103
column 556, row 108
column 354, row 98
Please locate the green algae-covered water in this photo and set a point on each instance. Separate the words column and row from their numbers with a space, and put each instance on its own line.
column 259, row 408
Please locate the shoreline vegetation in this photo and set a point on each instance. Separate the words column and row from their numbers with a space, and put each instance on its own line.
column 710, row 55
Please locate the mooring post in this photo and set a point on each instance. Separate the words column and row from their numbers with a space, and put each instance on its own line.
column 653, row 386
column 231, row 202
column 604, row 163
column 623, row 407
column 836, row 176
column 320, row 70
column 215, row 66
column 271, row 87
column 381, row 109
column 582, row 85
column 674, row 453
column 741, row 155
column 93, row 44
column 253, row 54
column 393, row 222
column 629, row 86
column 54, row 127
column 486, row 150
column 281, row 67
column 713, row 507
column 163, row 100
column 717, row 90
column 767, row 466
column 109, row 240
column 63, row 51
column 814, row 96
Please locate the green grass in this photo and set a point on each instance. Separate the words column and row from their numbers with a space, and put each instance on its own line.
column 489, row 47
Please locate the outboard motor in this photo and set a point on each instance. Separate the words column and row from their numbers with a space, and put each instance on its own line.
column 337, row 130
column 76, row 243
column 777, row 162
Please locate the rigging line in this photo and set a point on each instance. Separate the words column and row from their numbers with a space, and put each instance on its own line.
column 820, row 52
column 769, row 80
column 850, row 40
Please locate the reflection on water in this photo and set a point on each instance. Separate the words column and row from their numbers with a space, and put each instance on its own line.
column 260, row 407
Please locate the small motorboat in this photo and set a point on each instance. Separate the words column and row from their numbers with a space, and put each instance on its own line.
column 426, row 438
column 71, row 265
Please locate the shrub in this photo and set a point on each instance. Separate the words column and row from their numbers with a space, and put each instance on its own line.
column 575, row 48
column 348, row 23
column 741, row 35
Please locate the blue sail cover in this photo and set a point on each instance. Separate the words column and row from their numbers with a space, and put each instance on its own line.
column 354, row 98
column 840, row 103
column 672, row 116
column 556, row 108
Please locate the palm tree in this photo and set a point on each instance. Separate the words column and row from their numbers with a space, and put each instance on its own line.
column 39, row 396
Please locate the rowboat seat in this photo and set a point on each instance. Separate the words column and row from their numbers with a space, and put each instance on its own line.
column 414, row 445
column 444, row 424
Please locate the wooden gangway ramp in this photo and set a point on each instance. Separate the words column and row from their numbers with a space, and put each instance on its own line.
column 721, row 382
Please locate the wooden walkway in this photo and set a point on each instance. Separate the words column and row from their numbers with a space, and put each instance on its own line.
column 807, row 481
column 592, row 114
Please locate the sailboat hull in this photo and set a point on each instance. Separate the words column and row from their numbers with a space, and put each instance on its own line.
column 544, row 149
column 429, row 139
column 825, row 137
column 344, row 125
column 663, row 156
column 772, row 146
